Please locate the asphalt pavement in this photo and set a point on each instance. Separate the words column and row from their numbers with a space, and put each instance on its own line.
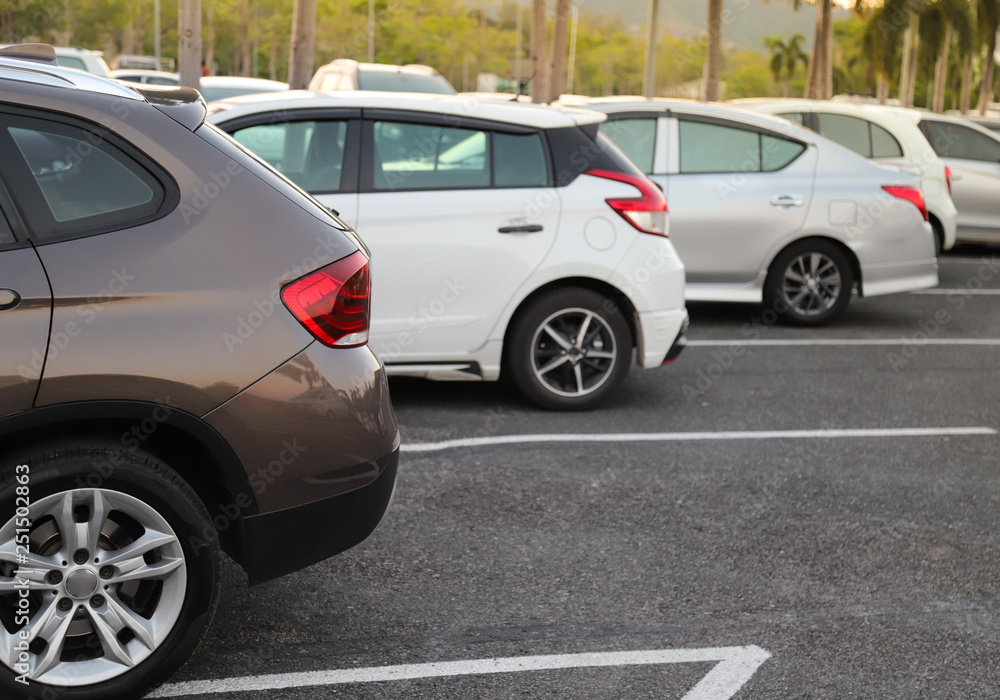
column 783, row 513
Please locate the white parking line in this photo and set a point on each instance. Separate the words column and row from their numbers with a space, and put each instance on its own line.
column 837, row 342
column 963, row 292
column 969, row 261
column 736, row 666
column 677, row 437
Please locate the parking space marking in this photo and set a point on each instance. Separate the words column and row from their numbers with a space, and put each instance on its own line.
column 963, row 292
column 967, row 261
column 678, row 437
column 734, row 668
column 837, row 342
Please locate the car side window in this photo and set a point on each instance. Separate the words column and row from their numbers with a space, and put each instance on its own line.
column 713, row 148
column 636, row 137
column 70, row 62
column 794, row 117
column 776, row 152
column 86, row 183
column 884, row 144
column 422, row 156
column 955, row 141
column 519, row 161
column 850, row 132
column 309, row 153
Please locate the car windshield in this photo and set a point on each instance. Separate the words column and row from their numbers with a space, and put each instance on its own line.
column 386, row 81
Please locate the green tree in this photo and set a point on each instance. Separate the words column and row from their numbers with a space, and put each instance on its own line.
column 785, row 58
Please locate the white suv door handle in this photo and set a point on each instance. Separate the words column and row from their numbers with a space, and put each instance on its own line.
column 786, row 200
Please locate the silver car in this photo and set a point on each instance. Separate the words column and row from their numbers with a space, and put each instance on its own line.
column 765, row 210
column 972, row 153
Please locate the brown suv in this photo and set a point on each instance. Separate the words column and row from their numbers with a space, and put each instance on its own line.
column 185, row 371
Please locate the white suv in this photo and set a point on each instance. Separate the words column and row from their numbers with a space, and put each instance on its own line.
column 889, row 135
column 505, row 237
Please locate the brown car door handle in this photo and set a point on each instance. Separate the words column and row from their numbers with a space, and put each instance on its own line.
column 8, row 299
column 531, row 228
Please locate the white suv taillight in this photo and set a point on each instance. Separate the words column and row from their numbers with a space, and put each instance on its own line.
column 647, row 213
column 334, row 302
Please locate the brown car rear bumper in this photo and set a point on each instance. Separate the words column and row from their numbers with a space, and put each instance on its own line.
column 294, row 538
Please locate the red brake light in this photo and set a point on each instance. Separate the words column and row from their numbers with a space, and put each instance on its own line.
column 334, row 302
column 647, row 213
column 910, row 194
column 947, row 178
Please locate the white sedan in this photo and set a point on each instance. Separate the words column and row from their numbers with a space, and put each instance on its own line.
column 764, row 210
column 888, row 135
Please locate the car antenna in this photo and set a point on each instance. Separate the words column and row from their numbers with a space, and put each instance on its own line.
column 521, row 84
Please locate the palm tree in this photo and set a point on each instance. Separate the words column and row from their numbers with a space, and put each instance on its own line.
column 785, row 58
column 882, row 40
column 988, row 23
column 940, row 22
column 713, row 54
column 819, row 83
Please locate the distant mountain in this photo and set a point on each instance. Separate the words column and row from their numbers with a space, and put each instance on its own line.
column 746, row 22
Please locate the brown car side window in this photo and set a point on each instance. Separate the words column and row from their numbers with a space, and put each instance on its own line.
column 71, row 181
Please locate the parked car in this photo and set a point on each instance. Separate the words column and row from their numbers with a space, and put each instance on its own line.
column 764, row 210
column 74, row 57
column 125, row 61
column 889, row 135
column 212, row 87
column 220, row 87
column 185, row 370
column 972, row 154
column 991, row 123
column 509, row 238
column 345, row 74
column 149, row 77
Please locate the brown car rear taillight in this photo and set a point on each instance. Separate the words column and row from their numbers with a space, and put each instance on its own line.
column 334, row 302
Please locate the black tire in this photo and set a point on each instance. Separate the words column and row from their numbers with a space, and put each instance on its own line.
column 141, row 494
column 809, row 283
column 582, row 379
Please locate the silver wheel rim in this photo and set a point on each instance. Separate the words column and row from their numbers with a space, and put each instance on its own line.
column 106, row 577
column 811, row 284
column 573, row 352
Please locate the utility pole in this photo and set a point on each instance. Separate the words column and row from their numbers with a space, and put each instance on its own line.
column 539, row 58
column 518, row 48
column 189, row 43
column 371, row 31
column 156, row 31
column 300, row 60
column 557, row 76
column 649, row 78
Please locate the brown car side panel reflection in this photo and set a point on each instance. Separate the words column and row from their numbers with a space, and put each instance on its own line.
column 24, row 328
column 193, row 296
column 313, row 428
